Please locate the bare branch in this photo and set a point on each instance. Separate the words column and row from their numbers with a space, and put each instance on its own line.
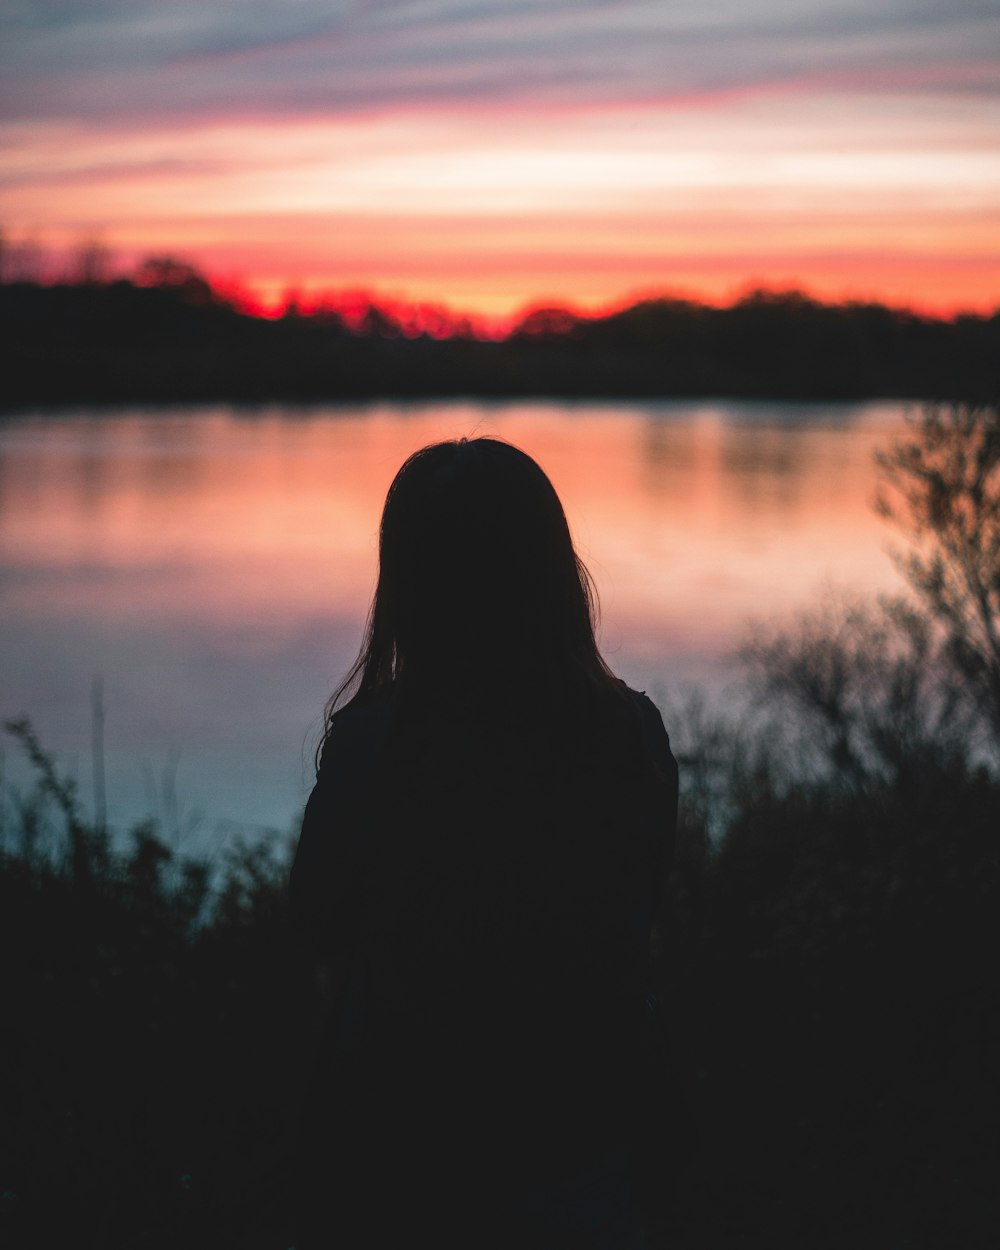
column 941, row 486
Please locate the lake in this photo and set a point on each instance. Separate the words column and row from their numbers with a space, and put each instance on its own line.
column 213, row 566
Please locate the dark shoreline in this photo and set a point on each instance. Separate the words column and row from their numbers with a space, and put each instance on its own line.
column 121, row 343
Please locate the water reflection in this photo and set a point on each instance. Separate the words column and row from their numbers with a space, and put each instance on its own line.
column 215, row 565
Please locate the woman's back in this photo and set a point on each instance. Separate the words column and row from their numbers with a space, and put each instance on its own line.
column 481, row 859
column 489, row 888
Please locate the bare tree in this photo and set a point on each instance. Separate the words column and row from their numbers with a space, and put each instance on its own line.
column 941, row 485
column 90, row 264
column 169, row 273
column 863, row 680
column 24, row 260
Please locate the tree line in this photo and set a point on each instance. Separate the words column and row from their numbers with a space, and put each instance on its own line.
column 167, row 335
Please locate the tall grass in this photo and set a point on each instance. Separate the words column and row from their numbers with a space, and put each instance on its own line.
column 156, row 1010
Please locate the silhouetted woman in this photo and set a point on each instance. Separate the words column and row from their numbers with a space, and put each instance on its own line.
column 480, row 864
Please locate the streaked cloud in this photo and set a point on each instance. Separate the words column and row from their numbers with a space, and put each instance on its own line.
column 174, row 58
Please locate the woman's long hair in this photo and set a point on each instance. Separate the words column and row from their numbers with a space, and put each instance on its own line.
column 481, row 596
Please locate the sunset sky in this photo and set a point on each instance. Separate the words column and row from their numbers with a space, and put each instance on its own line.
column 493, row 153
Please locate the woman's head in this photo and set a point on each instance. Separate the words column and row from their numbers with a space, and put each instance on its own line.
column 479, row 586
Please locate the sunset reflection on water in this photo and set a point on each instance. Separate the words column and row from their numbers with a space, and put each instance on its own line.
column 215, row 565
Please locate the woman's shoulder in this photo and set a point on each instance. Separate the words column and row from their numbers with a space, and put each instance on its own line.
column 643, row 707
column 655, row 739
column 355, row 732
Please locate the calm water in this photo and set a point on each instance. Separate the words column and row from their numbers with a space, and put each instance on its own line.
column 214, row 565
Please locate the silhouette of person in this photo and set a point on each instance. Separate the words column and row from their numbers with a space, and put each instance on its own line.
column 480, row 865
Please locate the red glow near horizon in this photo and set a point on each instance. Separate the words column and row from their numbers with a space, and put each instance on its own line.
column 354, row 309
column 423, row 308
column 412, row 319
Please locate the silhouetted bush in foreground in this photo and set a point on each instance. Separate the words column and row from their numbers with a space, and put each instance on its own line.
column 155, row 1023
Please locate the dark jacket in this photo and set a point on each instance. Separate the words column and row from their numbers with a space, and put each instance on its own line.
column 483, row 890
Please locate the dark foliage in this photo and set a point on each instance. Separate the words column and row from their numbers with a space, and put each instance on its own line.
column 169, row 337
column 834, row 980
column 155, row 1023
